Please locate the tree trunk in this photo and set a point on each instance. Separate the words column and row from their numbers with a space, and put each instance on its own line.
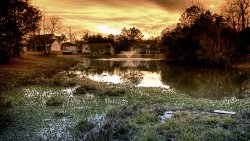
column 242, row 16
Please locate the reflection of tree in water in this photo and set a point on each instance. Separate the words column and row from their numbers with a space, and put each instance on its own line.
column 206, row 83
column 132, row 77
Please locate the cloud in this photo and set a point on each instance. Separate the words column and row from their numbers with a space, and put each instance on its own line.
column 150, row 16
column 171, row 5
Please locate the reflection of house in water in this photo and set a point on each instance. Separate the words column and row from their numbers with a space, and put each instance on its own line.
column 98, row 49
column 40, row 42
column 150, row 48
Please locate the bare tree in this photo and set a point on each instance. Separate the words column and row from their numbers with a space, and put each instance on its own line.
column 72, row 34
column 85, row 36
column 244, row 6
column 53, row 25
column 237, row 12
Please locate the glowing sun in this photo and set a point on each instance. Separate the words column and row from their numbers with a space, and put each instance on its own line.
column 107, row 30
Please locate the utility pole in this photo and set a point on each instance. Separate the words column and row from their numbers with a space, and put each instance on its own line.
column 44, row 17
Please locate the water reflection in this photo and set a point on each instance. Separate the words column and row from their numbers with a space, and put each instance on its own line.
column 196, row 82
column 207, row 83
column 132, row 77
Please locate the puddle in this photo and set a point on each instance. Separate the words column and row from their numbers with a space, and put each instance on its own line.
column 166, row 116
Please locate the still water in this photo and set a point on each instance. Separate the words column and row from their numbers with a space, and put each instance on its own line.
column 196, row 82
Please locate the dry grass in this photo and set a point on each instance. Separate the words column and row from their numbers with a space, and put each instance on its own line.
column 29, row 68
column 244, row 65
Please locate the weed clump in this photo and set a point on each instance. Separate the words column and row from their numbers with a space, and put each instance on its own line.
column 5, row 103
column 80, row 90
column 65, row 79
column 55, row 100
column 211, row 120
column 85, row 125
column 114, row 92
column 122, row 112
column 146, row 117
column 60, row 114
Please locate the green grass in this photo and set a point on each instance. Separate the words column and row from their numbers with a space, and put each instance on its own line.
column 55, row 100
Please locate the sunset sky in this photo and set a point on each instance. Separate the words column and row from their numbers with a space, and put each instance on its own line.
column 110, row 16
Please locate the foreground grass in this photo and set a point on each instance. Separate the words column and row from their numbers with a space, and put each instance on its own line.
column 134, row 115
column 28, row 70
column 69, row 107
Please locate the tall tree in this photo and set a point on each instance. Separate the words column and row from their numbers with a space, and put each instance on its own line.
column 132, row 34
column 72, row 34
column 207, row 40
column 190, row 15
column 129, row 37
column 17, row 19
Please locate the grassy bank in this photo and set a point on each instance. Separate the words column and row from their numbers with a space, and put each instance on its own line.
column 30, row 68
column 49, row 105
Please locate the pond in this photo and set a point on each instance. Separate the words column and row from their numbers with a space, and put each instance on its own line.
column 196, row 82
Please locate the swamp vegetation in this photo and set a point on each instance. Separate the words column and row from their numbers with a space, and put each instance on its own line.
column 64, row 106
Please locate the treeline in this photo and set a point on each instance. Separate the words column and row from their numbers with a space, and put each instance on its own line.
column 205, row 38
column 128, row 39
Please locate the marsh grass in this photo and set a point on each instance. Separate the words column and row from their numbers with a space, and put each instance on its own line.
column 72, row 108
column 85, row 126
column 133, row 115
column 55, row 100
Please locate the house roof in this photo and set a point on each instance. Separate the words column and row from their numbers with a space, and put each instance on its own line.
column 67, row 44
column 44, row 39
column 97, row 46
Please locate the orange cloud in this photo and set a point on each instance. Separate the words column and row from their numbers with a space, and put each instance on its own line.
column 109, row 16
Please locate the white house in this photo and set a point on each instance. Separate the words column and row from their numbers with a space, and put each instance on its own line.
column 40, row 42
column 69, row 48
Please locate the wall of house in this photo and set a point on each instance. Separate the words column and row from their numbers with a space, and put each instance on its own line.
column 73, row 49
column 112, row 51
column 85, row 49
column 56, row 46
